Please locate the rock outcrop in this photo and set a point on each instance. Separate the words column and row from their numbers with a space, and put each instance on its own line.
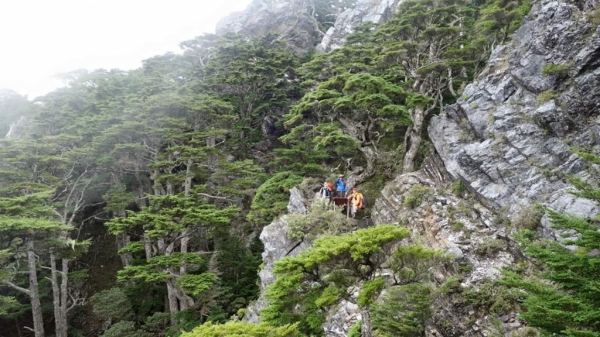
column 364, row 11
column 290, row 19
column 16, row 128
column 294, row 21
column 277, row 246
column 510, row 137
column 460, row 226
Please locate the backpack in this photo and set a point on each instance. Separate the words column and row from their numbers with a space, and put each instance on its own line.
column 364, row 202
column 330, row 186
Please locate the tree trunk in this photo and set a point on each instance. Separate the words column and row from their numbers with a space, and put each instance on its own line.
column 412, row 140
column 365, row 328
column 171, row 290
column 173, row 305
column 123, row 239
column 64, row 297
column 36, row 306
column 55, row 295
column 370, row 157
column 185, row 236
column 148, row 247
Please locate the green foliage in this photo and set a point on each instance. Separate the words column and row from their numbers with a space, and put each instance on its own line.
column 493, row 297
column 238, row 266
column 559, row 70
column 459, row 188
column 546, row 96
column 272, row 197
column 243, row 329
column 340, row 260
column 403, row 311
column 530, row 217
column 197, row 285
column 369, row 291
column 319, row 220
column 124, row 329
column 563, row 298
column 7, row 304
column 112, row 303
column 489, row 246
column 415, row 196
column 413, row 263
column 355, row 331
column 321, row 276
column 173, row 155
column 501, row 18
column 569, row 305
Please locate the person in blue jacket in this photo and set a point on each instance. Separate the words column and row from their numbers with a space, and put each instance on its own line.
column 340, row 186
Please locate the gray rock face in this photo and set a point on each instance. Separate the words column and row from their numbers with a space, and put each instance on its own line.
column 277, row 246
column 458, row 225
column 364, row 11
column 290, row 19
column 510, row 136
column 16, row 128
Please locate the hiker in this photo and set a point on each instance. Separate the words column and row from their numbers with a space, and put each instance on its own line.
column 356, row 201
column 340, row 186
column 331, row 187
column 325, row 192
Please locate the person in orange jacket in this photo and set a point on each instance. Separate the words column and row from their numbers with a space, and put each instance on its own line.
column 356, row 201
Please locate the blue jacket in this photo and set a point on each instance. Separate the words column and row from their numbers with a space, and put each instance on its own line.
column 340, row 185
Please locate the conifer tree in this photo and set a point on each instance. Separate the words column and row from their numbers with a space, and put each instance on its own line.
column 324, row 274
column 564, row 299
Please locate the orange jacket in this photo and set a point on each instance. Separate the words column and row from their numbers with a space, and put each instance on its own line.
column 356, row 199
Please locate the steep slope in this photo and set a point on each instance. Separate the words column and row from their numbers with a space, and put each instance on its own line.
column 509, row 143
column 510, row 137
column 299, row 23
column 364, row 11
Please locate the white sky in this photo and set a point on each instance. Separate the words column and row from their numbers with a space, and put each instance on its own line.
column 40, row 38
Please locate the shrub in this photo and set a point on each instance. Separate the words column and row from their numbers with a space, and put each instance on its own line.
column 490, row 247
column 457, row 226
column 459, row 187
column 317, row 222
column 355, row 330
column 112, row 303
column 530, row 217
column 594, row 16
column 124, row 329
column 414, row 196
column 493, row 297
column 525, row 332
column 546, row 96
column 272, row 197
column 403, row 310
column 558, row 70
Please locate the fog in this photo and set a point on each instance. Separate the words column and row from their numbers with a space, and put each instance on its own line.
column 41, row 38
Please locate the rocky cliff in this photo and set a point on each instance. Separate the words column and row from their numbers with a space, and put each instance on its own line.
column 277, row 246
column 295, row 21
column 510, row 137
column 364, row 11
